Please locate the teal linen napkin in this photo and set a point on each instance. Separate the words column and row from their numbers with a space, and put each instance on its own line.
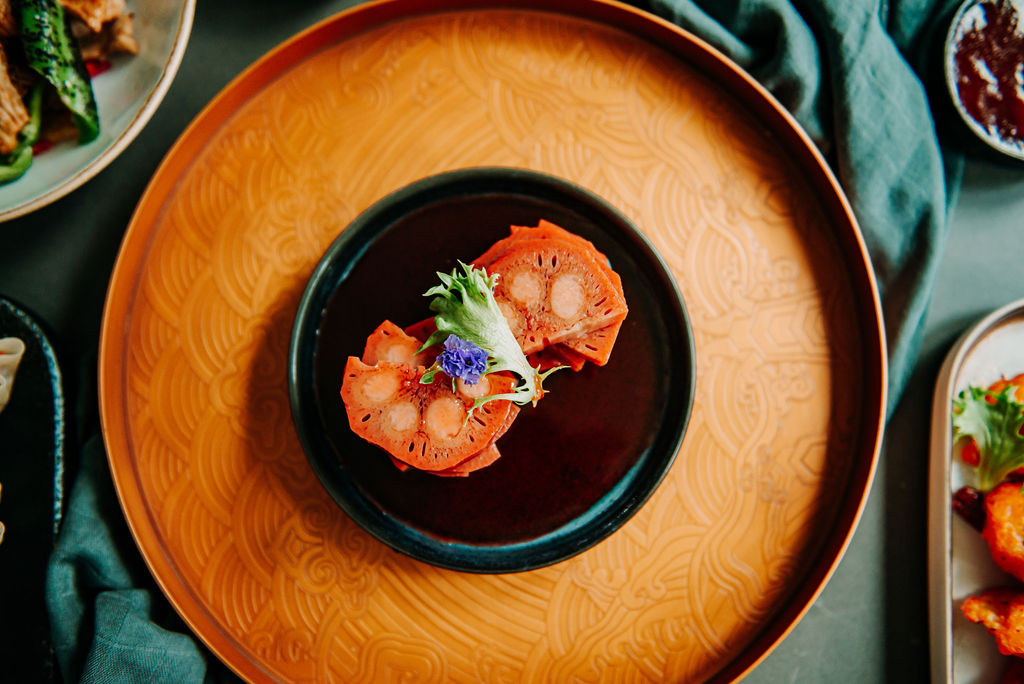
column 108, row 620
column 845, row 68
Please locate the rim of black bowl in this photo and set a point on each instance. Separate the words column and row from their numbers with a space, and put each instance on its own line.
column 564, row 542
column 992, row 142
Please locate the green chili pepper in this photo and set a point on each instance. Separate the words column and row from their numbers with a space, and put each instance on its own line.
column 34, row 103
column 15, row 164
column 52, row 51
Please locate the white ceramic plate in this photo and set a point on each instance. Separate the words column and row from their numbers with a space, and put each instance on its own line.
column 959, row 563
column 127, row 96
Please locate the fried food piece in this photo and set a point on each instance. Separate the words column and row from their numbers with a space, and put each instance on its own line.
column 1017, row 381
column 1004, row 527
column 1002, row 613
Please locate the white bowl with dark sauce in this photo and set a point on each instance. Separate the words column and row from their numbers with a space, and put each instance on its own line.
column 984, row 59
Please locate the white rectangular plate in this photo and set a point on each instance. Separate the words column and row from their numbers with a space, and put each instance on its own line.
column 959, row 563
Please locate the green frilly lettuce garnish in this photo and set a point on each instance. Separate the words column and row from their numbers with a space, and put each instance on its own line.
column 466, row 307
column 993, row 420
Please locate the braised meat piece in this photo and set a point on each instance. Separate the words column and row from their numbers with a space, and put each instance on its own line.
column 8, row 24
column 95, row 13
column 1004, row 527
column 117, row 36
column 1002, row 613
column 13, row 115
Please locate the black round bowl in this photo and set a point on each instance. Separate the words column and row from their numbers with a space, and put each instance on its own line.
column 574, row 468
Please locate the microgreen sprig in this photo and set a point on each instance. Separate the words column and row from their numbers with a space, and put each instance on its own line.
column 466, row 309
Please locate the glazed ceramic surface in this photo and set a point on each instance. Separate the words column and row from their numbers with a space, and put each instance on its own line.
column 126, row 96
column 766, row 489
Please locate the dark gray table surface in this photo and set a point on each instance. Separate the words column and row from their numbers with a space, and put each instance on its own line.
column 870, row 623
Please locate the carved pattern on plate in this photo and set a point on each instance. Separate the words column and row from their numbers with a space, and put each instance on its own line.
column 290, row 580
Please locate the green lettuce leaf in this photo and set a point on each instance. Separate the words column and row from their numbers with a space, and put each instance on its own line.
column 994, row 427
column 466, row 307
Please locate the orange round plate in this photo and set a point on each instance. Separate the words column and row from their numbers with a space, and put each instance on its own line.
column 780, row 450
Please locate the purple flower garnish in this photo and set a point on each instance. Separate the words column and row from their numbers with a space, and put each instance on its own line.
column 462, row 359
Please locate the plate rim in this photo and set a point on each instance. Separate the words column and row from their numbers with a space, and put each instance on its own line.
column 683, row 46
column 32, row 324
column 494, row 558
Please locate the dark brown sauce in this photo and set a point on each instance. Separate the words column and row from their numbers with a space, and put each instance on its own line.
column 987, row 58
column 559, row 458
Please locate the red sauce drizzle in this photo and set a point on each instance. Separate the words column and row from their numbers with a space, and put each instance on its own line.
column 992, row 49
column 95, row 67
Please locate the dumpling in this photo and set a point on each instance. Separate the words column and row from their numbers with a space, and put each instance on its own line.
column 11, row 350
